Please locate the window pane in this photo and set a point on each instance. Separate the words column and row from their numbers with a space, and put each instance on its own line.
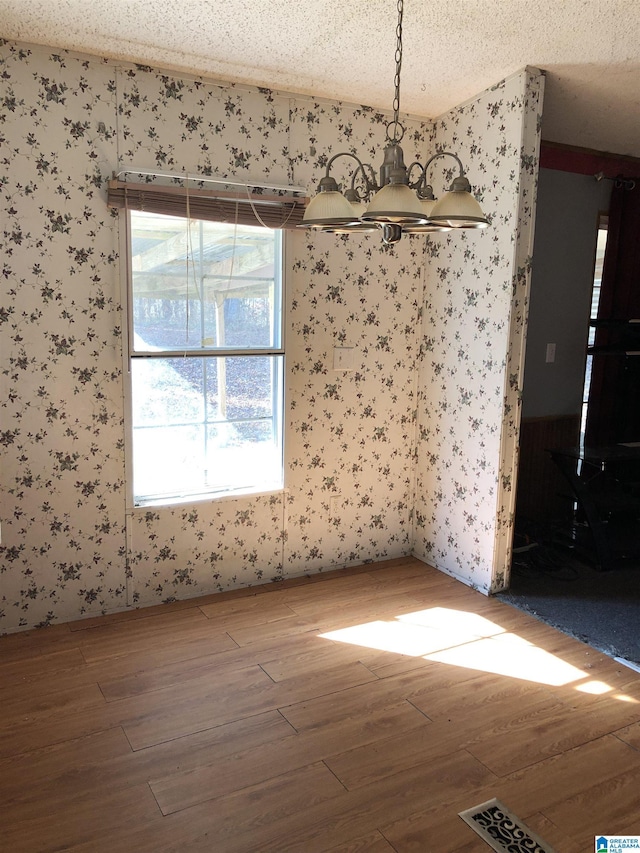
column 248, row 387
column 189, row 437
column 167, row 391
column 203, row 285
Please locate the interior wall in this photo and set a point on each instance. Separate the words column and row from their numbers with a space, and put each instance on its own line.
column 475, row 313
column 71, row 544
column 562, row 281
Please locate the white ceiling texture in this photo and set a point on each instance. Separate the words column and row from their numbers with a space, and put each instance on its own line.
column 590, row 50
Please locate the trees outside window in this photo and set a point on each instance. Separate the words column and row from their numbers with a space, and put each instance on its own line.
column 206, row 357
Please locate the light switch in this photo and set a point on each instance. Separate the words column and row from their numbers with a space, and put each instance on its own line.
column 344, row 358
column 551, row 353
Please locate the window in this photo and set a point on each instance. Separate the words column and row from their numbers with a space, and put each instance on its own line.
column 601, row 246
column 206, row 357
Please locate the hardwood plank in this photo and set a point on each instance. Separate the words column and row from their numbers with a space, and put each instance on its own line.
column 538, row 786
column 48, row 729
column 601, row 809
column 35, row 642
column 553, row 733
column 341, row 589
column 46, row 780
column 202, row 669
column 133, row 614
column 201, row 704
column 318, row 656
column 331, row 824
column 386, row 665
column 248, row 634
column 18, row 714
column 376, row 587
column 611, row 692
column 541, row 786
column 383, row 620
column 480, row 697
column 365, row 603
column 248, row 811
column 24, row 671
column 110, row 669
column 437, row 828
column 253, row 609
column 364, row 765
column 271, row 654
column 23, row 776
column 182, row 790
column 180, row 646
column 406, row 567
column 373, row 842
column 311, row 713
column 213, row 826
column 442, row 829
column 554, row 835
column 78, row 820
column 630, row 734
column 359, row 812
column 130, row 637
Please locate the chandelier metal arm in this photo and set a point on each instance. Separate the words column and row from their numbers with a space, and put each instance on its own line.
column 445, row 154
column 369, row 180
column 421, row 184
column 369, row 183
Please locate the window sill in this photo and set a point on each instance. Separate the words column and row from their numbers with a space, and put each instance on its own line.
column 215, row 497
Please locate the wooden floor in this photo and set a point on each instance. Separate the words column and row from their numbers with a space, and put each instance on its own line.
column 231, row 724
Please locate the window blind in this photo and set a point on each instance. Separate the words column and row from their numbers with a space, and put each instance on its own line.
column 248, row 208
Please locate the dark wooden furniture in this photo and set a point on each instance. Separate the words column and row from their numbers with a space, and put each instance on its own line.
column 605, row 482
column 540, row 484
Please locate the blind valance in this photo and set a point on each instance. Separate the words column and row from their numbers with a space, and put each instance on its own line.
column 245, row 208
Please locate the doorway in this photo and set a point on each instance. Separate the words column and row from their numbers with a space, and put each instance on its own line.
column 548, row 577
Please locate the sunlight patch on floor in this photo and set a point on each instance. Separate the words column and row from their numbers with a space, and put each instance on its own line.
column 594, row 688
column 509, row 654
column 401, row 638
column 458, row 638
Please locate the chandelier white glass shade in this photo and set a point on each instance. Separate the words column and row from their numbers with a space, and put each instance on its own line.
column 396, row 204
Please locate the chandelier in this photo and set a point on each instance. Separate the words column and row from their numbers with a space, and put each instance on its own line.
column 397, row 204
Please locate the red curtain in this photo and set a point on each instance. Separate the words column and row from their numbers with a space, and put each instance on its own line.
column 613, row 413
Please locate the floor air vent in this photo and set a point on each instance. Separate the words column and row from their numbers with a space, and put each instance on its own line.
column 502, row 830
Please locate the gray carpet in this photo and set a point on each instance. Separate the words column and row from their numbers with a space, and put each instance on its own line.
column 599, row 608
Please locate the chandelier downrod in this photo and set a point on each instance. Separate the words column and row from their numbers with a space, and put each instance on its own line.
column 395, row 205
column 396, row 100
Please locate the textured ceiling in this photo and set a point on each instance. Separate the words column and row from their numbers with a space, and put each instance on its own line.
column 590, row 50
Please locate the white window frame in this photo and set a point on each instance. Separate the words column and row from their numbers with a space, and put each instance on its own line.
column 129, row 353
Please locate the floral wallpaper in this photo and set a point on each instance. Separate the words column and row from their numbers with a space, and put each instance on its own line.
column 359, row 443
column 351, row 434
column 519, row 309
column 475, row 306
column 61, row 427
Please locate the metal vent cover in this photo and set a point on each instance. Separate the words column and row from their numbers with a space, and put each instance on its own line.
column 502, row 830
